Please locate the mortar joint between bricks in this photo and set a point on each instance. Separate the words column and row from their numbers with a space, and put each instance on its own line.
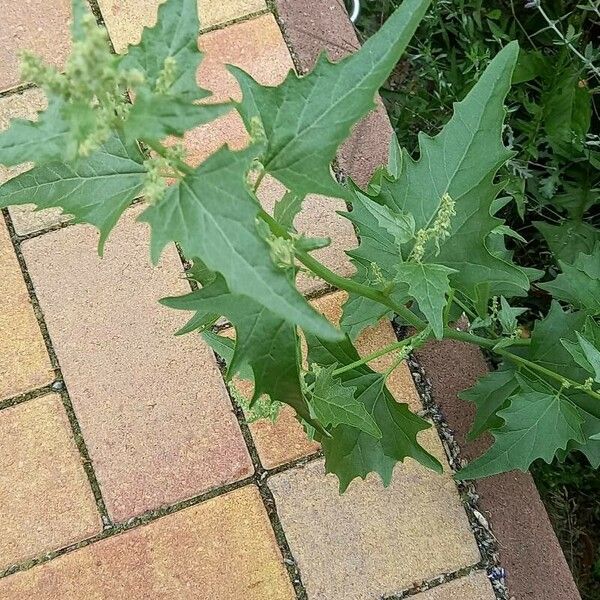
column 281, row 24
column 486, row 541
column 260, row 475
column 434, row 582
column 241, row 19
column 260, row 479
column 26, row 396
column 17, row 89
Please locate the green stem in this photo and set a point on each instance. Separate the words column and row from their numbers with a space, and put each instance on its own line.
column 374, row 356
column 162, row 150
column 565, row 381
column 340, row 282
column 409, row 317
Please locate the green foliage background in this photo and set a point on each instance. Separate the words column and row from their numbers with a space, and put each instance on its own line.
column 554, row 126
column 553, row 123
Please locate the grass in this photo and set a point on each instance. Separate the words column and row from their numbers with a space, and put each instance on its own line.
column 571, row 492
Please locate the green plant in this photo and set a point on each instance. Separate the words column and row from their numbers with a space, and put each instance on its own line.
column 553, row 123
column 430, row 250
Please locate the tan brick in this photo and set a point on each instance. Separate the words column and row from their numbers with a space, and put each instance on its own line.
column 45, row 498
column 373, row 541
column 223, row 549
column 471, row 587
column 215, row 13
column 125, row 19
column 152, row 407
column 40, row 26
column 24, row 361
column 26, row 106
column 284, row 441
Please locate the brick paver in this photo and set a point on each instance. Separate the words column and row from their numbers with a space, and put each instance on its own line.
column 24, row 361
column 223, row 549
column 472, row 587
column 373, row 541
column 256, row 46
column 45, row 498
column 125, row 19
column 153, row 408
column 25, row 106
column 40, row 26
column 214, row 13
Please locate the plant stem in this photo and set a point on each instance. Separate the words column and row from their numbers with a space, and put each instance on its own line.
column 162, row 151
column 374, row 356
column 566, row 381
column 552, row 24
column 340, row 282
column 409, row 317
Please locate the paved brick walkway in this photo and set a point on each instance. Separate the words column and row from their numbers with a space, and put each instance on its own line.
column 125, row 471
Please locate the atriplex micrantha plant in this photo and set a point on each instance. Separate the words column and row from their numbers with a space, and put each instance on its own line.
column 430, row 247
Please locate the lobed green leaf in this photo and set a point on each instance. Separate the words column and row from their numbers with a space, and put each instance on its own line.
column 334, row 404
column 350, row 452
column 536, row 425
column 305, row 119
column 96, row 189
column 212, row 214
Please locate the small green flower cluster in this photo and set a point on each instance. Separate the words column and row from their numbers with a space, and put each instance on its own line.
column 92, row 88
column 159, row 169
column 262, row 408
column 437, row 232
column 283, row 252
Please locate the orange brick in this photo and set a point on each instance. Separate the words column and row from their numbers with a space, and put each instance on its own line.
column 283, row 441
column 24, row 361
column 318, row 218
column 256, row 46
column 223, row 549
column 152, row 407
column 40, row 26
column 45, row 498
